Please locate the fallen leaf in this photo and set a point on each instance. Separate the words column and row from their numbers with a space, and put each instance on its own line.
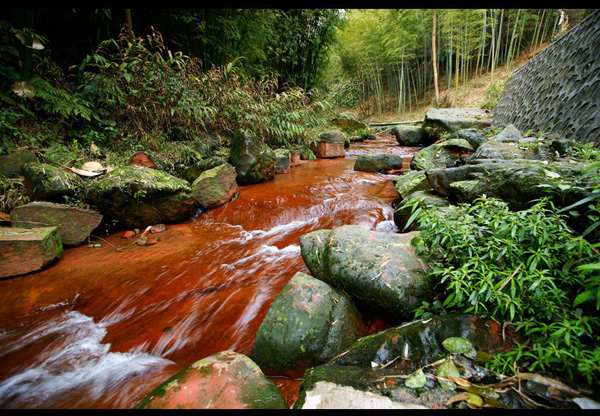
column 93, row 167
column 416, row 380
column 460, row 381
column 457, row 345
column 460, row 397
column 4, row 217
column 84, row 172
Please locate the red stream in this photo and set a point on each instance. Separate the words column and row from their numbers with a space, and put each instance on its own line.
column 101, row 328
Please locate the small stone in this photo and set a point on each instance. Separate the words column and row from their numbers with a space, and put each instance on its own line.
column 142, row 241
column 158, row 228
column 137, row 231
column 152, row 240
column 128, row 234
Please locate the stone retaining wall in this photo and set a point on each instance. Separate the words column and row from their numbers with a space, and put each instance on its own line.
column 558, row 91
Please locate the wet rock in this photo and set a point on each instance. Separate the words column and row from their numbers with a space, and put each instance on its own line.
column 383, row 363
column 449, row 120
column 225, row 380
column 11, row 164
column 508, row 134
column 216, row 186
column 429, row 200
column 329, row 145
column 158, row 228
column 308, row 323
column 253, row 160
column 326, row 395
column 354, row 129
column 191, row 173
column 441, row 155
column 48, row 182
column 517, row 182
column 410, row 182
column 128, row 234
column 411, row 136
column 474, row 136
column 25, row 250
column 295, row 157
column 282, row 161
column 377, row 162
column 143, row 160
column 74, row 224
column 381, row 269
column 140, row 196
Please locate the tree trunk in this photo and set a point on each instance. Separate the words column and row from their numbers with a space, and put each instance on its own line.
column 434, row 59
column 128, row 23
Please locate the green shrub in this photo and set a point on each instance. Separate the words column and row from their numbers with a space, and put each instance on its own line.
column 526, row 267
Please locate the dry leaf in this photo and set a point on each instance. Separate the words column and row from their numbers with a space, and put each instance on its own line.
column 460, row 381
column 84, row 172
column 92, row 167
column 458, row 398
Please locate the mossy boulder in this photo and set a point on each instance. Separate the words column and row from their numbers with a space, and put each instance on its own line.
column 139, row 196
column 283, row 160
column 354, row 129
column 26, row 250
column 192, row 172
column 381, row 269
column 517, row 182
column 10, row 165
column 225, row 380
column 308, row 323
column 379, row 162
column 474, row 136
column 428, row 200
column 441, row 155
column 411, row 136
column 440, row 121
column 50, row 183
column 216, row 186
column 253, row 160
column 330, row 144
column 74, row 224
column 411, row 181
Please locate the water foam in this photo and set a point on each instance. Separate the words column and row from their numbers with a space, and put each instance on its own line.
column 74, row 360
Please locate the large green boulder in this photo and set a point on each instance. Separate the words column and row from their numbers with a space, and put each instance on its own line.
column 308, row 323
column 381, row 269
column 25, row 250
column 216, row 186
column 411, row 181
column 74, row 224
column 440, row 121
column 139, row 196
column 379, row 162
column 518, row 182
column 411, row 136
column 192, row 172
column 441, row 155
column 225, row 380
column 10, row 164
column 354, row 129
column 253, row 160
column 49, row 183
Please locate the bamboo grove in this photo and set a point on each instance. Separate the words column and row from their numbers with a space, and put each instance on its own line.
column 385, row 58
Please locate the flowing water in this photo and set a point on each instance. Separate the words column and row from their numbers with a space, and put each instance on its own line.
column 101, row 328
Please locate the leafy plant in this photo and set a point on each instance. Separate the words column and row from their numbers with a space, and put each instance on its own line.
column 526, row 267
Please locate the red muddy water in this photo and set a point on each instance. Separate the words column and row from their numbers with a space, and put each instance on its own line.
column 101, row 328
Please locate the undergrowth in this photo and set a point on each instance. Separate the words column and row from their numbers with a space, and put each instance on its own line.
column 527, row 268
